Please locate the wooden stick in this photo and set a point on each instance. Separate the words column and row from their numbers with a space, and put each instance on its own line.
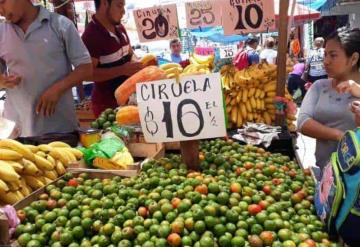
column 281, row 57
column 190, row 154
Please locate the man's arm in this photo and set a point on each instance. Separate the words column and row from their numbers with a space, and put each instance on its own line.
column 79, row 58
column 105, row 74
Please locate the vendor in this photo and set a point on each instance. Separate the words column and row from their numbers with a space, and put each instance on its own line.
column 111, row 53
column 176, row 49
column 38, row 49
column 325, row 113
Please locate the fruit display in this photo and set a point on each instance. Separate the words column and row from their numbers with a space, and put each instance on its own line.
column 148, row 60
column 250, row 93
column 207, row 61
column 244, row 196
column 128, row 115
column 105, row 120
column 174, row 70
column 120, row 161
column 26, row 168
column 126, row 89
column 221, row 63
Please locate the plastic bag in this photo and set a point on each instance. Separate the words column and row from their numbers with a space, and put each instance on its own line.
column 105, row 149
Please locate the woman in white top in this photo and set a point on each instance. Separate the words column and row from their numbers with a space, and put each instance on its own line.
column 269, row 54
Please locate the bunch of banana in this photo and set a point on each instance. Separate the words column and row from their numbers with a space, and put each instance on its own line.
column 249, row 95
column 172, row 70
column 227, row 76
column 26, row 168
column 196, row 69
column 119, row 161
column 208, row 61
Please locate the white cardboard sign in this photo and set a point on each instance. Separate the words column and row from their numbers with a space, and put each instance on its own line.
column 157, row 23
column 228, row 51
column 247, row 16
column 189, row 110
column 205, row 13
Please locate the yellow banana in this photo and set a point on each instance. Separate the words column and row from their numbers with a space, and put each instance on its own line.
column 239, row 121
column 41, row 154
column 169, row 66
column 3, row 186
column 270, row 94
column 48, row 180
column 253, row 103
column 58, row 144
column 244, row 95
column 60, row 169
column 257, row 93
column 269, row 100
column 45, row 148
column 56, row 154
column 234, row 113
column 70, row 155
column 258, row 104
column 243, row 111
column 51, row 174
column 7, row 172
column 251, row 92
column 18, row 147
column 250, row 117
column 14, row 186
column 33, row 182
column 30, row 168
column 7, row 154
column 19, row 168
column 238, row 97
column 267, row 118
column 51, row 160
column 33, row 148
column 248, row 106
column 10, row 197
column 42, row 163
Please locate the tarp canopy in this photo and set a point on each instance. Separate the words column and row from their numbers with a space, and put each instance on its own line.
column 216, row 34
column 312, row 4
column 302, row 13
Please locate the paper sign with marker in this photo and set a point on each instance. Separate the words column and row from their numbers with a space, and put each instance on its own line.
column 157, row 23
column 191, row 109
column 203, row 14
column 242, row 16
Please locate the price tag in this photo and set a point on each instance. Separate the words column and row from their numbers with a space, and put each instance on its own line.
column 228, row 51
column 203, row 14
column 189, row 110
column 240, row 16
column 157, row 23
column 204, row 51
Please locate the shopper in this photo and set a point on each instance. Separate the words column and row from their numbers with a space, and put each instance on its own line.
column 111, row 52
column 315, row 69
column 325, row 113
column 247, row 56
column 269, row 54
column 176, row 49
column 39, row 49
column 295, row 81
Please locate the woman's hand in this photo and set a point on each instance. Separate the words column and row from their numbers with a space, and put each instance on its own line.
column 10, row 81
column 349, row 86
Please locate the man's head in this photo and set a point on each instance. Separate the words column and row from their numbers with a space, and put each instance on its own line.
column 14, row 10
column 114, row 10
column 252, row 42
column 175, row 46
column 270, row 43
column 319, row 42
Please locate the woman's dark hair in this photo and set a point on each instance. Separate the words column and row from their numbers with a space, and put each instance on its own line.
column 349, row 40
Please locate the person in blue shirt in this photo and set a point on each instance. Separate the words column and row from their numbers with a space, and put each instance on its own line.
column 251, row 48
column 176, row 48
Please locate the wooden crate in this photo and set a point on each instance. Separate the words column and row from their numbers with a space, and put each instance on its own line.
column 4, row 226
column 85, row 114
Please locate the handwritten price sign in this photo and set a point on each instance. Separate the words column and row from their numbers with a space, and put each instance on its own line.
column 157, row 23
column 203, row 14
column 228, row 51
column 244, row 16
column 190, row 110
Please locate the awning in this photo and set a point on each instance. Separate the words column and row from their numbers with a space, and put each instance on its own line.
column 301, row 12
column 216, row 34
column 312, row 4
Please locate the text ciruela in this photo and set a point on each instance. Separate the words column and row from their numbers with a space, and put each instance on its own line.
column 152, row 12
column 172, row 90
column 233, row 3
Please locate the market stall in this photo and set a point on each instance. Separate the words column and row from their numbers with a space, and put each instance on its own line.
column 122, row 187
